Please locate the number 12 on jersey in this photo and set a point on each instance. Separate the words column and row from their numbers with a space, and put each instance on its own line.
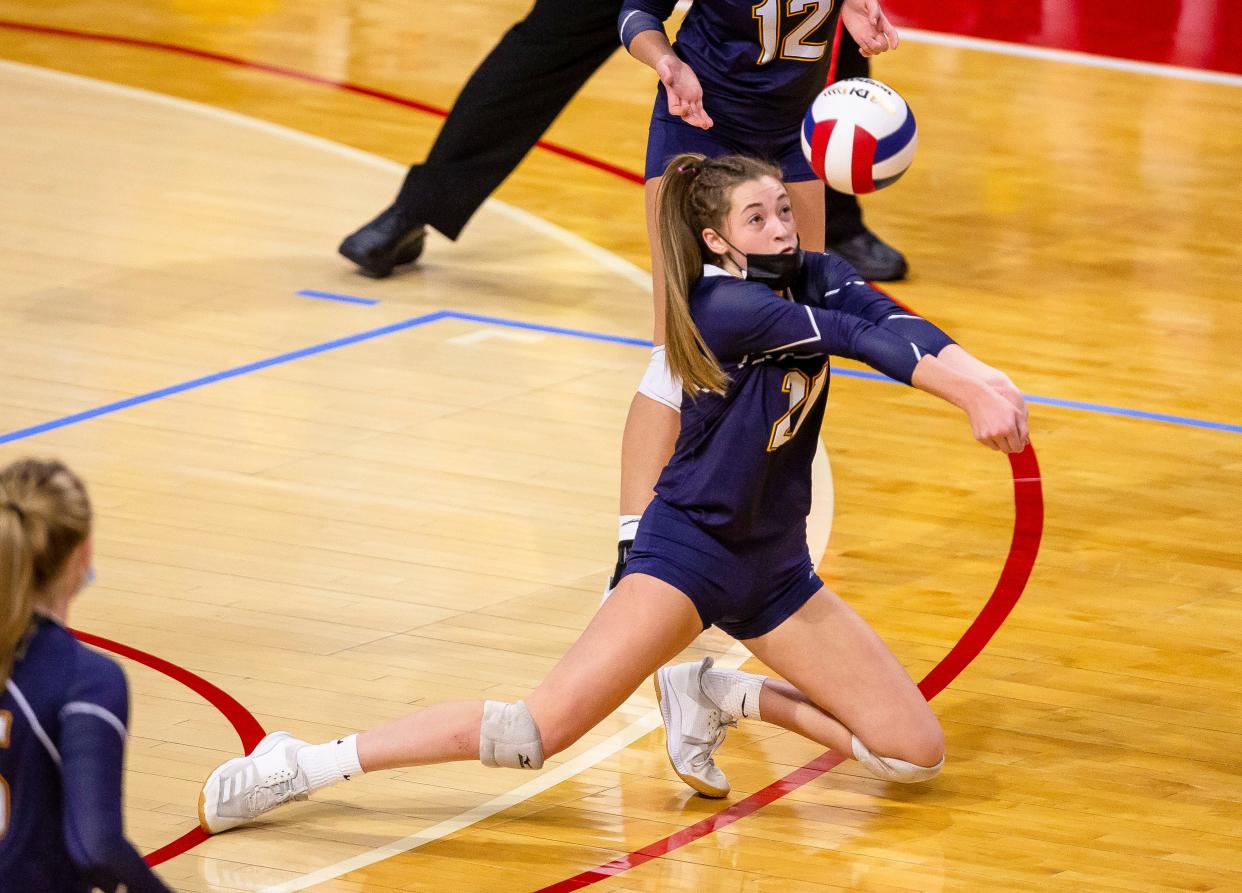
column 794, row 45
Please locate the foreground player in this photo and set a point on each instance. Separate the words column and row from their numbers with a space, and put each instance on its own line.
column 724, row 540
column 64, row 707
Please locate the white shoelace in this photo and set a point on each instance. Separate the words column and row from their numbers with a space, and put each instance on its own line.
column 276, row 789
column 717, row 728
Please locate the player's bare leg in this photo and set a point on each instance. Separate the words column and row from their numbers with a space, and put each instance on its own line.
column 846, row 691
column 644, row 624
column 844, row 682
column 807, row 199
column 653, row 422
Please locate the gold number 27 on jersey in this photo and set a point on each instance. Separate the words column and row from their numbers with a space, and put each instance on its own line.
column 802, row 391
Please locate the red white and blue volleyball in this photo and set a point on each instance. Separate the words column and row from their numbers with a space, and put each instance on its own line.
column 859, row 136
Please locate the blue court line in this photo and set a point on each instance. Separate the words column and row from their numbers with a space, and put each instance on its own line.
column 193, row 383
column 333, row 296
column 1102, row 408
column 554, row 330
column 438, row 315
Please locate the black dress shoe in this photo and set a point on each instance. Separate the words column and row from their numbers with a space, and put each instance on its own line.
column 384, row 243
column 873, row 259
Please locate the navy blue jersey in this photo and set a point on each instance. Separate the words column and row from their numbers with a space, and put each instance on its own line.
column 742, row 466
column 760, row 64
column 63, row 721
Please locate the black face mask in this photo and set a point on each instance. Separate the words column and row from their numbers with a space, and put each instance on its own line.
column 776, row 271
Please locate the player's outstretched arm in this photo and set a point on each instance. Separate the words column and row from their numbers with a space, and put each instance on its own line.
column 995, row 421
column 642, row 33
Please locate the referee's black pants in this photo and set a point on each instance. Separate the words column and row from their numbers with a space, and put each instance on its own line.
column 505, row 107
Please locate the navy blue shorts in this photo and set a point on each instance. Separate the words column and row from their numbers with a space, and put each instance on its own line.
column 669, row 135
column 746, row 593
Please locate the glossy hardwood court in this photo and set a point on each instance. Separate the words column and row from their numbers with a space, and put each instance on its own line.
column 325, row 500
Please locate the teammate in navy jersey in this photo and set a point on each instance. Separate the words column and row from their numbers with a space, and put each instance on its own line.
column 64, row 708
column 739, row 79
column 751, row 323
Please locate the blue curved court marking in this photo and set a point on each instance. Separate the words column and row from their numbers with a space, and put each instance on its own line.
column 333, row 296
column 1101, row 408
column 438, row 315
column 236, row 371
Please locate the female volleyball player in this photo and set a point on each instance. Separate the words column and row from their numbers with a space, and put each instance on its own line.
column 724, row 540
column 738, row 80
column 64, row 708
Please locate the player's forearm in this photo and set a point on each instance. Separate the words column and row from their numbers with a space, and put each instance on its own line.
column 958, row 358
column 940, row 379
column 649, row 47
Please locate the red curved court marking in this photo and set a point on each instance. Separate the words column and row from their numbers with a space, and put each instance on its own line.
column 383, row 95
column 246, row 726
column 1023, row 548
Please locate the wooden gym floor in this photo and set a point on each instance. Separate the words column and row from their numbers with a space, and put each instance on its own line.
column 316, row 514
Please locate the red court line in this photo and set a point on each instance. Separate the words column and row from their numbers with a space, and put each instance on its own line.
column 246, row 726
column 1023, row 549
column 382, row 95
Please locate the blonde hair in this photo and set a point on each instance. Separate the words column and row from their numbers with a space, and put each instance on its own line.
column 694, row 195
column 44, row 515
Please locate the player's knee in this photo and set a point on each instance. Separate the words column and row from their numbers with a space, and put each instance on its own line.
column 658, row 382
column 917, row 760
column 509, row 737
column 925, row 746
column 919, row 740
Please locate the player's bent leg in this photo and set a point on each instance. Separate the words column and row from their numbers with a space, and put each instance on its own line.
column 892, row 768
column 646, row 446
column 832, row 657
column 653, row 421
column 644, row 624
column 807, row 198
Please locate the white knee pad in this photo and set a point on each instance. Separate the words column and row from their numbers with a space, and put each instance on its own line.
column 508, row 737
column 891, row 768
column 658, row 382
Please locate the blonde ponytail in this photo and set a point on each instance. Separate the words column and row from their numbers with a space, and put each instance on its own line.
column 44, row 515
column 694, row 195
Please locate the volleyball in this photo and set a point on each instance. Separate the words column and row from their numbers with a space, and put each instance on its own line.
column 859, row 136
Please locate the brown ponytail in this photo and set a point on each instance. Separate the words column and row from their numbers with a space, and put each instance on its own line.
column 694, row 195
column 44, row 515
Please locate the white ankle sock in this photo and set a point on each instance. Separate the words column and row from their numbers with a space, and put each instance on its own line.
column 326, row 764
column 734, row 692
column 627, row 526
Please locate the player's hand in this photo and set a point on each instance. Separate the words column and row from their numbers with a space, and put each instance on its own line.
column 1003, row 385
column 998, row 422
column 869, row 27
column 685, row 94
